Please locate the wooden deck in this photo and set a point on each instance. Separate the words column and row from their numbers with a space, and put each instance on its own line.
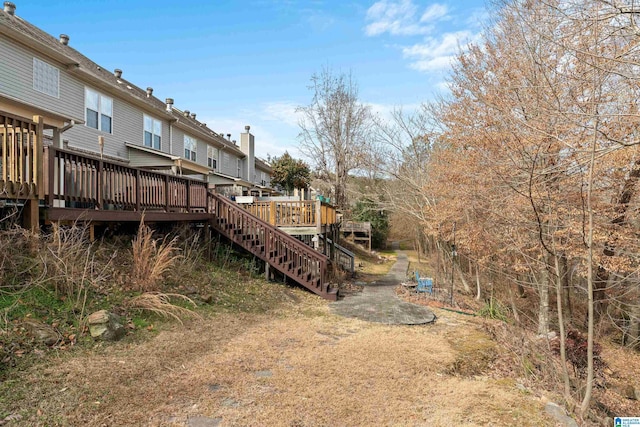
column 63, row 185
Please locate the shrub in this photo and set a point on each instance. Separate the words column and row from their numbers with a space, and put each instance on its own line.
column 151, row 259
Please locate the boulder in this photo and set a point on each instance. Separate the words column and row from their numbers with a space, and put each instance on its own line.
column 105, row 326
column 42, row 332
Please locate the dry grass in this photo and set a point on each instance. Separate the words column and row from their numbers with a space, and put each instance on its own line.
column 151, row 259
column 296, row 366
column 160, row 304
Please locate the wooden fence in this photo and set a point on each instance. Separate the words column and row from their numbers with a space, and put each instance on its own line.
column 20, row 158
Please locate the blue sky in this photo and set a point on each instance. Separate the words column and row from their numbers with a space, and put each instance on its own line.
column 235, row 63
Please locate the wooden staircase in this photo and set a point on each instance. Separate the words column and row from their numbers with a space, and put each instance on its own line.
column 282, row 252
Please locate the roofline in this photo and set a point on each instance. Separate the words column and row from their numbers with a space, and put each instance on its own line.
column 37, row 45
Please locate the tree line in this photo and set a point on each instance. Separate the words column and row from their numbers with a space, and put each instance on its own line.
column 532, row 158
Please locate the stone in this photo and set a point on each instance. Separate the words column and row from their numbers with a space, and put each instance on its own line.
column 42, row 332
column 559, row 414
column 264, row 374
column 627, row 391
column 203, row 422
column 105, row 326
column 206, row 298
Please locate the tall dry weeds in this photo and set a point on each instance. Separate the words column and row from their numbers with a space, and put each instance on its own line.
column 151, row 259
column 71, row 266
column 160, row 303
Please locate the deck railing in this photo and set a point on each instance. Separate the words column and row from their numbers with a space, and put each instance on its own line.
column 303, row 213
column 20, row 158
column 82, row 181
column 283, row 252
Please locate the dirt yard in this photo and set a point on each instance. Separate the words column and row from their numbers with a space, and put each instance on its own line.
column 298, row 365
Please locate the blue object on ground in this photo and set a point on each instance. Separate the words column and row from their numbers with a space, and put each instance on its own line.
column 425, row 284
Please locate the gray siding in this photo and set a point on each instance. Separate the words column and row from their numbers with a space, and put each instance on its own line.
column 142, row 159
column 177, row 148
column 127, row 126
column 228, row 163
column 16, row 80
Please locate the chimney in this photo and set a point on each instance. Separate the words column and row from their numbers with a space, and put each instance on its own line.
column 186, row 113
column 117, row 72
column 64, row 39
column 149, row 92
column 10, row 8
column 169, row 102
column 247, row 146
column 193, row 116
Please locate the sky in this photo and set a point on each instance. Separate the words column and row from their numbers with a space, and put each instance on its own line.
column 237, row 63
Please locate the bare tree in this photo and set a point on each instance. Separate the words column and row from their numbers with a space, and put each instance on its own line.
column 333, row 129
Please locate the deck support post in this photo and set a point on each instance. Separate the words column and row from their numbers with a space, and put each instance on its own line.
column 267, row 271
column 31, row 215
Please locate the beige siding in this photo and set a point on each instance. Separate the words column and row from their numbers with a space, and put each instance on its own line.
column 16, row 80
column 127, row 126
column 142, row 159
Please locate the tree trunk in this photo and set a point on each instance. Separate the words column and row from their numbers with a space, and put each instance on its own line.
column 561, row 332
column 543, row 307
column 465, row 284
column 566, row 288
column 633, row 332
column 478, row 282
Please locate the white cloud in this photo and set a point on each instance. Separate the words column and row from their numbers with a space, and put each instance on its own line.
column 400, row 18
column 437, row 53
column 434, row 12
column 282, row 111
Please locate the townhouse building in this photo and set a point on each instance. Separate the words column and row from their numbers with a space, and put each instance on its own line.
column 89, row 109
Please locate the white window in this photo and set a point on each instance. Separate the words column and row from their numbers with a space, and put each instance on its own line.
column 46, row 78
column 152, row 132
column 190, row 145
column 98, row 110
column 212, row 157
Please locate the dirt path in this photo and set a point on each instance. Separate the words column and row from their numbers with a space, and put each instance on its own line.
column 300, row 365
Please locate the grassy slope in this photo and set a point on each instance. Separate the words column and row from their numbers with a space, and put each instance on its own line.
column 267, row 354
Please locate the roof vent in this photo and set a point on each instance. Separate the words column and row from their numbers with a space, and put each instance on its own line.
column 193, row 116
column 247, row 127
column 169, row 102
column 234, row 142
column 186, row 113
column 149, row 92
column 10, row 8
column 64, row 39
column 229, row 136
column 117, row 72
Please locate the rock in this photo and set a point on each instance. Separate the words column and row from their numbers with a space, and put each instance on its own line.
column 206, row 298
column 105, row 326
column 42, row 332
column 559, row 414
column 627, row 391
column 203, row 422
column 264, row 374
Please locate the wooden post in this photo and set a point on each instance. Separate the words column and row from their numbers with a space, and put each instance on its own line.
column 166, row 193
column 272, row 213
column 267, row 271
column 138, row 190
column 38, row 162
column 31, row 215
column 51, row 176
column 188, row 184
column 99, row 184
